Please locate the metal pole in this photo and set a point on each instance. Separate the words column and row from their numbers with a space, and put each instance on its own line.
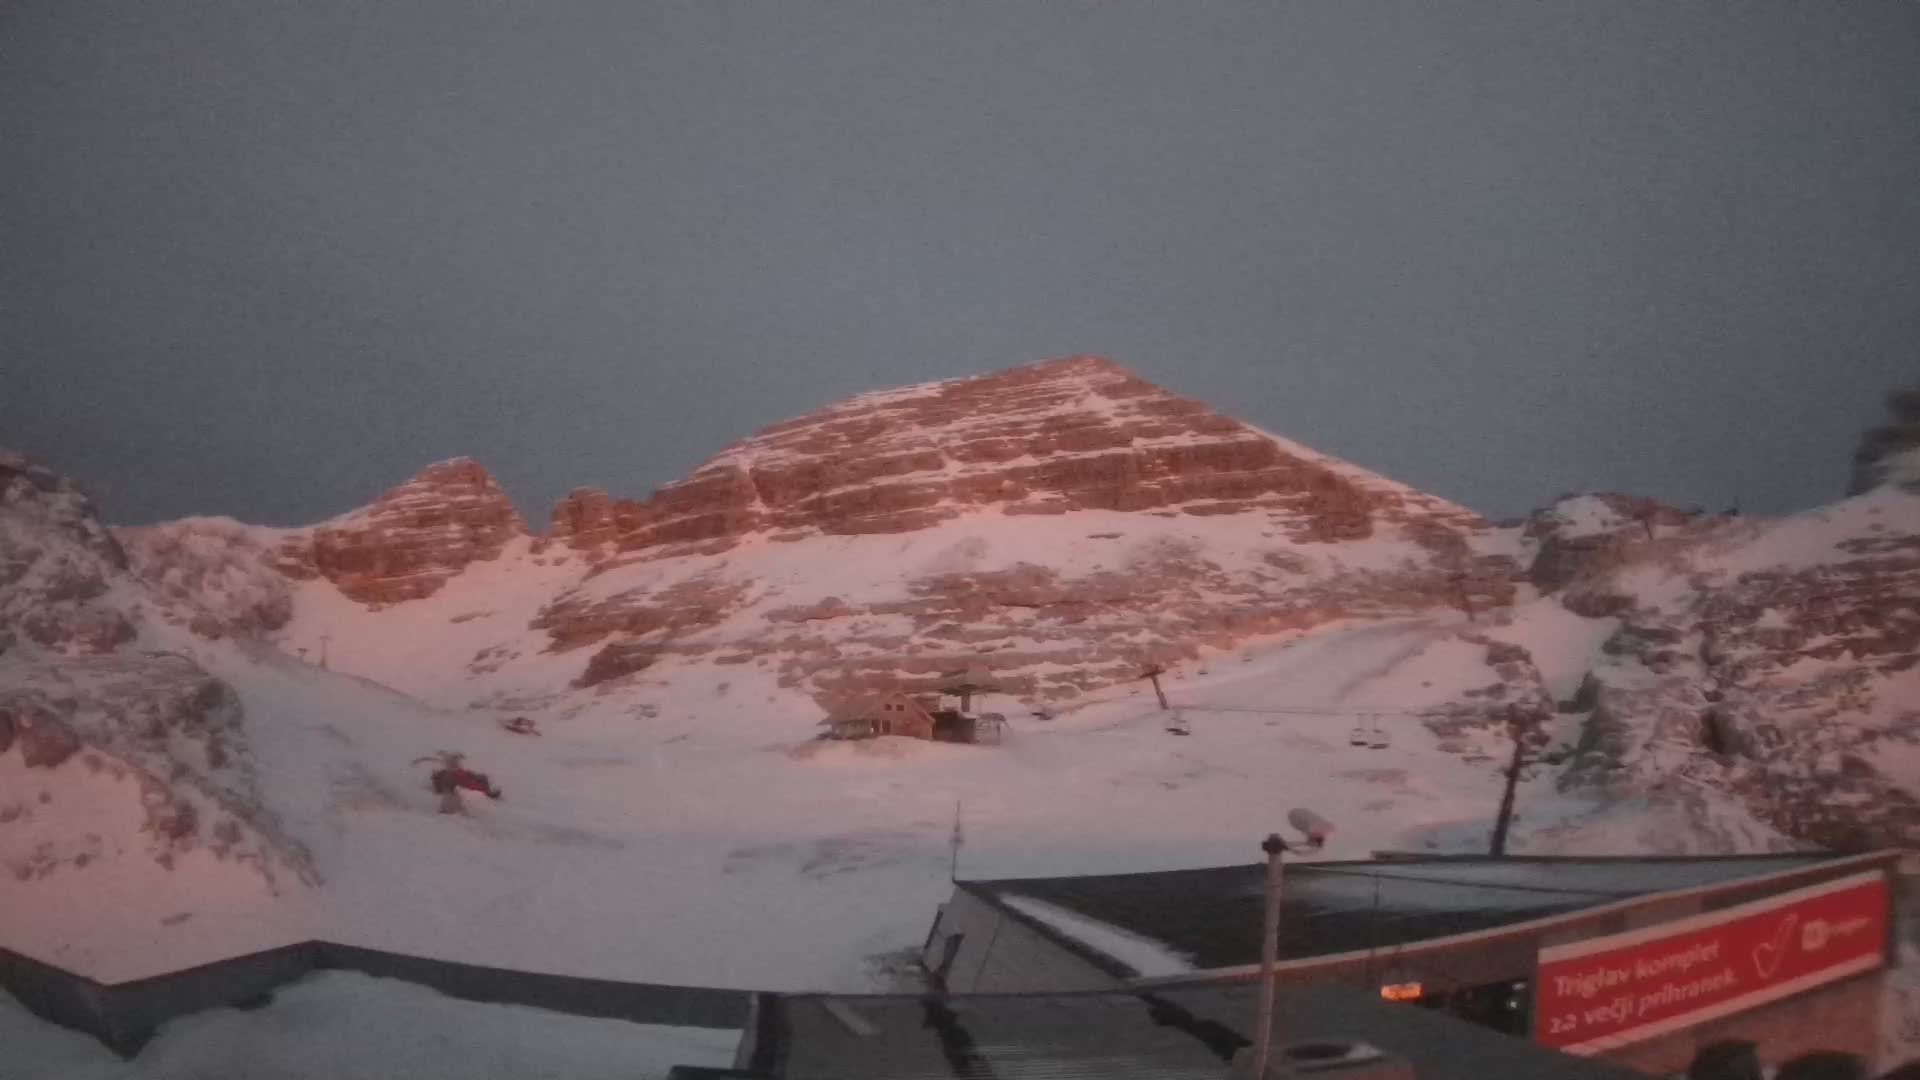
column 1269, row 956
column 1503, row 821
column 953, row 868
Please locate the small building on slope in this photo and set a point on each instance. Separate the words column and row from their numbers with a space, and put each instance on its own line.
column 900, row 713
column 892, row 713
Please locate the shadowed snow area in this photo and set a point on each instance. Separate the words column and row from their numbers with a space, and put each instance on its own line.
column 339, row 1024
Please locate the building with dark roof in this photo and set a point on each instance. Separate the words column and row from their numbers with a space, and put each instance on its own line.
column 1464, row 935
column 1175, row 1034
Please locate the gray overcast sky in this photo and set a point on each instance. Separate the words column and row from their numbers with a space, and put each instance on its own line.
column 266, row 259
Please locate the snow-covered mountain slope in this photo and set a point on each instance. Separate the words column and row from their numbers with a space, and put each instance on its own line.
column 1060, row 526
column 130, row 795
column 1331, row 638
column 1779, row 661
column 717, row 842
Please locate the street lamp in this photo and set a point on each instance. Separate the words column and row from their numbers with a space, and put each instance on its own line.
column 1316, row 829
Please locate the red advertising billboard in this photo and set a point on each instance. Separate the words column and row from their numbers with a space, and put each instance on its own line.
column 1605, row 992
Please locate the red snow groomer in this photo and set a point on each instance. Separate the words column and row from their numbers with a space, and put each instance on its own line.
column 450, row 775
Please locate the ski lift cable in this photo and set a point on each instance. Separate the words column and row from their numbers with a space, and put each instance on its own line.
column 1362, row 715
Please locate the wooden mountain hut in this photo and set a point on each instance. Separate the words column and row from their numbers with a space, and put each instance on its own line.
column 893, row 713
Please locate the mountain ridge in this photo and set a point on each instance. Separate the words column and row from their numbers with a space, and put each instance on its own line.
column 222, row 717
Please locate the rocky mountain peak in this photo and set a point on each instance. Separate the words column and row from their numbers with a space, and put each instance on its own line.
column 408, row 542
column 58, row 564
column 1078, row 433
column 30, row 489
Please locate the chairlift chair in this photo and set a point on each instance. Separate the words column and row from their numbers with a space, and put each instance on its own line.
column 1177, row 724
column 1358, row 736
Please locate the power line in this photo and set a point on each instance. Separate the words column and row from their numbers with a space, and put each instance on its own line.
column 1314, row 710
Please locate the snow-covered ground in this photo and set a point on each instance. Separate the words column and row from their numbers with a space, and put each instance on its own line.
column 344, row 1026
column 716, row 843
column 679, row 824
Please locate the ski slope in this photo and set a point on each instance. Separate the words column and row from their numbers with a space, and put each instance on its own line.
column 717, row 844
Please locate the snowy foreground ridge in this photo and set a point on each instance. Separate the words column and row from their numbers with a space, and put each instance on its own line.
column 209, row 731
column 339, row 1024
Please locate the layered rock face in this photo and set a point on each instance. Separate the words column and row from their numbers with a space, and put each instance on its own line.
column 408, row 542
column 1071, row 519
column 1074, row 434
column 1060, row 525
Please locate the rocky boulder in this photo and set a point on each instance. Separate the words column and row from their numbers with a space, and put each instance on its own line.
column 44, row 739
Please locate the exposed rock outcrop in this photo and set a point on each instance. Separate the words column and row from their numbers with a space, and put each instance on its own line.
column 59, row 568
column 1584, row 536
column 992, row 461
column 408, row 542
column 214, row 576
column 159, row 722
column 584, row 520
column 1073, row 434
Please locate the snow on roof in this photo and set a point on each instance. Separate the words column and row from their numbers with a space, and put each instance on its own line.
column 341, row 1023
column 1143, row 954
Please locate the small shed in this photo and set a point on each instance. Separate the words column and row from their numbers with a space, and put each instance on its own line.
column 894, row 713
